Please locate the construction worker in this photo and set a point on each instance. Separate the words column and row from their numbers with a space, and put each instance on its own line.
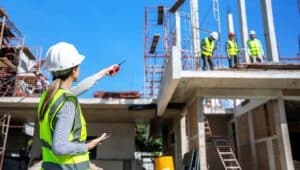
column 255, row 49
column 62, row 127
column 232, row 50
column 207, row 50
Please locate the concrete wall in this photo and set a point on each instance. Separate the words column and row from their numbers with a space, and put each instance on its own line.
column 258, row 139
column 118, row 151
column 219, row 128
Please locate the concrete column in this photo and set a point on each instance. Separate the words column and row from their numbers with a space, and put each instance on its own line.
column 184, row 139
column 178, row 29
column 195, row 32
column 252, row 140
column 201, row 134
column 283, row 135
column 269, row 28
column 181, row 141
column 230, row 25
column 243, row 27
column 271, row 154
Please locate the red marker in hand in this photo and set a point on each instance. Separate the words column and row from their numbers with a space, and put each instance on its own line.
column 116, row 68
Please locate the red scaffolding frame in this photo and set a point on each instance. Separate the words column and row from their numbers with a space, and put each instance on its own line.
column 156, row 53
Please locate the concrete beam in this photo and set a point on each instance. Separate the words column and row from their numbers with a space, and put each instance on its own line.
column 170, row 80
column 241, row 110
column 244, row 74
column 238, row 93
column 16, row 101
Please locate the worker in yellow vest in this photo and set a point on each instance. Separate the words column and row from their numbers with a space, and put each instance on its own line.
column 207, row 49
column 62, row 126
column 255, row 49
column 232, row 50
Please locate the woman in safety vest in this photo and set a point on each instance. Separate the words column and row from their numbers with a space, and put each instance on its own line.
column 62, row 126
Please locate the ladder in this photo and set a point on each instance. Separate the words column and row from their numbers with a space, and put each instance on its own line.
column 4, row 125
column 225, row 152
column 208, row 133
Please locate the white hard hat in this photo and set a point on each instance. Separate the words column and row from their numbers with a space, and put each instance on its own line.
column 214, row 35
column 62, row 56
column 252, row 32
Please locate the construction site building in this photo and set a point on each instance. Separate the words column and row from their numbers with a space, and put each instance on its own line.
column 242, row 118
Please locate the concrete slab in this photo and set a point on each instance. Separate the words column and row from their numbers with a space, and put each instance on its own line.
column 95, row 110
column 235, row 84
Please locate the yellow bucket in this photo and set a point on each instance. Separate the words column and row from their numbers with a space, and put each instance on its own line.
column 164, row 163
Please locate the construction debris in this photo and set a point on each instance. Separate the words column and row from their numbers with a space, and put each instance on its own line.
column 119, row 95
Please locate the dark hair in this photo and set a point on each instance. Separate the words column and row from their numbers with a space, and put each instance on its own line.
column 58, row 76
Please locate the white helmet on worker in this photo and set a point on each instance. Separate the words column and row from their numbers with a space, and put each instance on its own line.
column 62, row 56
column 214, row 35
column 252, row 32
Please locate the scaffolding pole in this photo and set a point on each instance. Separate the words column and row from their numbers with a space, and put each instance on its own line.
column 2, row 31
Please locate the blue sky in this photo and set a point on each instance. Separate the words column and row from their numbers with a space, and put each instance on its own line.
column 107, row 32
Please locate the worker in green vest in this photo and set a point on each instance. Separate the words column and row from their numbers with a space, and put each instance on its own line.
column 255, row 49
column 232, row 50
column 62, row 126
column 207, row 49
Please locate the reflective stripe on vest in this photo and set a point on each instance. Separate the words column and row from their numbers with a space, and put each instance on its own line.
column 232, row 48
column 254, row 47
column 52, row 166
column 77, row 134
column 207, row 47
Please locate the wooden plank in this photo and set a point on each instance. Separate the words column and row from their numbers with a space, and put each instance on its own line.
column 160, row 15
column 154, row 43
column 177, row 5
column 3, row 65
column 5, row 61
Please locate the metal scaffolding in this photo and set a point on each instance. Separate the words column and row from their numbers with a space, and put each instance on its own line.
column 156, row 52
column 19, row 67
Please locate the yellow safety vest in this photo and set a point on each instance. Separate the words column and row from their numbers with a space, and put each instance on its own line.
column 207, row 47
column 78, row 133
column 232, row 48
column 254, row 47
